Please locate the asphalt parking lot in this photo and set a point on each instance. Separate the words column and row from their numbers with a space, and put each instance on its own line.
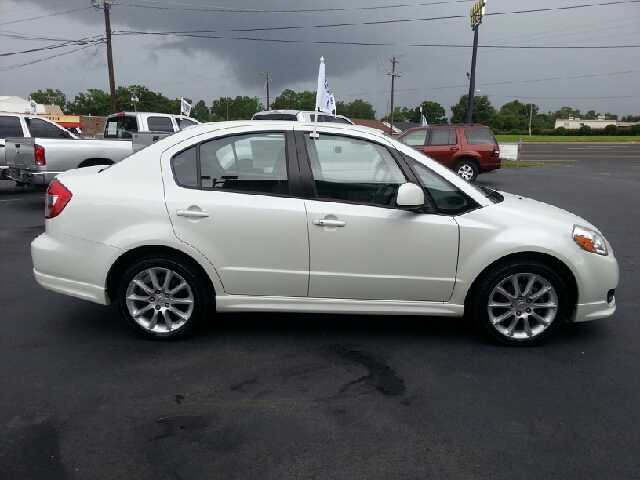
column 317, row 396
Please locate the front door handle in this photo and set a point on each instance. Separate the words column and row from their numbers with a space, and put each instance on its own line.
column 329, row 223
column 454, row 148
column 192, row 213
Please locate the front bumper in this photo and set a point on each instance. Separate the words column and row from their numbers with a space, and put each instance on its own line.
column 598, row 275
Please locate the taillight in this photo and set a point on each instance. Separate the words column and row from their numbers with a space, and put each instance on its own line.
column 38, row 155
column 56, row 199
column 496, row 153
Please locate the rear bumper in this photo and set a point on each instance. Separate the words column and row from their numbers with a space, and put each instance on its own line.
column 28, row 176
column 493, row 164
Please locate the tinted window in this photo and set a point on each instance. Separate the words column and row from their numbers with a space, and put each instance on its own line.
column 10, row 127
column 479, row 136
column 443, row 136
column 43, row 129
column 331, row 118
column 446, row 197
column 160, row 124
column 417, row 138
column 184, row 123
column 347, row 169
column 276, row 116
column 251, row 163
column 118, row 127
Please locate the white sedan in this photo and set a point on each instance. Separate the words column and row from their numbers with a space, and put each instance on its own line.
column 274, row 216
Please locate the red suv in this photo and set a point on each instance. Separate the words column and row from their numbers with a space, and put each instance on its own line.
column 468, row 149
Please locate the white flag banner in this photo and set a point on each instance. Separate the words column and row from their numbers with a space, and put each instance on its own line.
column 185, row 107
column 424, row 121
column 324, row 100
column 33, row 107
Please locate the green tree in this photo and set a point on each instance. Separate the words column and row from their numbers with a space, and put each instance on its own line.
column 591, row 115
column 400, row 114
column 290, row 100
column 201, row 112
column 356, row 109
column 610, row 116
column 239, row 108
column 50, row 97
column 94, row 102
column 148, row 101
column 482, row 112
column 433, row 112
column 585, row 130
column 566, row 112
column 611, row 130
column 630, row 118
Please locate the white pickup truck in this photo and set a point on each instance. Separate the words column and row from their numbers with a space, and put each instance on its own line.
column 128, row 124
column 36, row 149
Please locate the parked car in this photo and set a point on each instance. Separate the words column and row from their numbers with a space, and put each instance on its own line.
column 125, row 124
column 300, row 116
column 36, row 149
column 468, row 149
column 264, row 216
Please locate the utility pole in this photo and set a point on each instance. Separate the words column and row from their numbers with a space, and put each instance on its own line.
column 268, row 75
column 477, row 12
column 530, row 116
column 107, row 21
column 393, row 74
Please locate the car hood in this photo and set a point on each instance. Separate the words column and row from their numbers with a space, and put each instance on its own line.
column 544, row 213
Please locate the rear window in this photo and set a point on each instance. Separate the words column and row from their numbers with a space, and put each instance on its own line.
column 276, row 116
column 479, row 136
column 10, row 127
column 160, row 124
column 184, row 123
column 117, row 126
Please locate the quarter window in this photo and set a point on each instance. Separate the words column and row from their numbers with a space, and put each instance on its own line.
column 479, row 136
column 159, row 124
column 446, row 197
column 346, row 169
column 443, row 136
column 251, row 163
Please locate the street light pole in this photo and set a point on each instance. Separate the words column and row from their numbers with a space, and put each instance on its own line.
column 393, row 74
column 268, row 75
column 477, row 12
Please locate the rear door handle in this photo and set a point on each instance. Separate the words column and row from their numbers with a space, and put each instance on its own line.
column 191, row 213
column 329, row 223
column 454, row 148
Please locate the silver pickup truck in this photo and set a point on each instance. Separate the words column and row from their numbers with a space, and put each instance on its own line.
column 126, row 124
column 37, row 149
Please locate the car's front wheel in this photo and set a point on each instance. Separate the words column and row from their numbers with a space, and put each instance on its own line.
column 466, row 169
column 161, row 298
column 520, row 303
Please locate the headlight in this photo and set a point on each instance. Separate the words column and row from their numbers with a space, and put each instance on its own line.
column 589, row 240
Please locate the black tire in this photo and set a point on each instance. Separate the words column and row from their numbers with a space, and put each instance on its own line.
column 522, row 317
column 467, row 169
column 179, row 301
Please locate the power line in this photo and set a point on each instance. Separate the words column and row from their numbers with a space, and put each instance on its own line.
column 44, row 16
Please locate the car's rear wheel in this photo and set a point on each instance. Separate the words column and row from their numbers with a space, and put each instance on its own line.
column 163, row 299
column 466, row 169
column 520, row 303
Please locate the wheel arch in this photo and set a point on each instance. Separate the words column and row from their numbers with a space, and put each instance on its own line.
column 123, row 262
column 563, row 271
column 469, row 157
column 90, row 162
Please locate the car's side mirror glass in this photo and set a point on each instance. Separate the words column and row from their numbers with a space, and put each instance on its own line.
column 410, row 197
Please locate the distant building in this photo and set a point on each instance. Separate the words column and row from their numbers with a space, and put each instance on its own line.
column 575, row 123
column 17, row 105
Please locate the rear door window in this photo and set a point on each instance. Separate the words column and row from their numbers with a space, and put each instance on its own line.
column 10, row 127
column 479, row 136
column 276, row 116
column 160, row 124
column 443, row 136
column 116, row 127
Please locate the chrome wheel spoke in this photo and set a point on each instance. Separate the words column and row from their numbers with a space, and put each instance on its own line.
column 528, row 311
column 160, row 285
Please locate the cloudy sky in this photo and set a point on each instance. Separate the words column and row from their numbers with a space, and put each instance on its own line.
column 207, row 49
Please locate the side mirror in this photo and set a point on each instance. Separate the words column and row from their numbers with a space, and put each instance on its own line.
column 410, row 197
